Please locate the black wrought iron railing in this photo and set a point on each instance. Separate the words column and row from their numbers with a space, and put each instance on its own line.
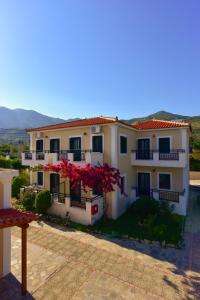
column 40, row 155
column 149, row 155
column 144, row 154
column 74, row 201
column 28, row 155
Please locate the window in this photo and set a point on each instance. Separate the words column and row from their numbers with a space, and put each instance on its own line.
column 97, row 143
column 164, row 181
column 123, row 144
column 122, row 185
column 54, row 145
column 40, row 178
column 164, row 145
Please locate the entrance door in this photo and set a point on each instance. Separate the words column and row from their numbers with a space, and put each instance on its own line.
column 143, row 149
column 54, row 183
column 75, row 193
column 39, row 145
column 54, row 146
column 164, row 145
column 144, row 184
column 75, row 147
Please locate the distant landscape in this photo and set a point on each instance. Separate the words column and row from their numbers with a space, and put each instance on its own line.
column 14, row 121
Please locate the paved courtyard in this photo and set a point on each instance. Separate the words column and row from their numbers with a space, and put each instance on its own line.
column 64, row 264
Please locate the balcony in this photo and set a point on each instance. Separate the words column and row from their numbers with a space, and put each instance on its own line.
column 33, row 158
column 153, row 158
column 177, row 198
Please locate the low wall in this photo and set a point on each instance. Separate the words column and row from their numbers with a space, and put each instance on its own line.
column 77, row 214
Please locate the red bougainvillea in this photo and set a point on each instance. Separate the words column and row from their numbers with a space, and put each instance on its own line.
column 101, row 177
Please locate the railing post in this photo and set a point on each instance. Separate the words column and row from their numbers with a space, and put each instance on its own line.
column 24, row 258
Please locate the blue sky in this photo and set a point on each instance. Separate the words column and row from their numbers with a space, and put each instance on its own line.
column 80, row 58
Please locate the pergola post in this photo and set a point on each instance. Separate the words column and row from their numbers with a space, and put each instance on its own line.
column 24, row 258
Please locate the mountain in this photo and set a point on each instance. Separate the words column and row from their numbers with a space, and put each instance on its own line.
column 161, row 115
column 21, row 118
column 14, row 121
column 164, row 115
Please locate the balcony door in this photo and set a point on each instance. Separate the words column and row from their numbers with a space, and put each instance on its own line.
column 144, row 184
column 54, row 146
column 75, row 147
column 54, row 183
column 39, row 145
column 143, row 149
column 97, row 143
column 164, row 145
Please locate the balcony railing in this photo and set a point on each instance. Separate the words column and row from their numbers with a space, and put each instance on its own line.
column 149, row 155
column 78, row 202
column 144, row 154
column 172, row 196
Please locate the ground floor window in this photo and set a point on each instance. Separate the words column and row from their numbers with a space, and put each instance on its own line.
column 40, row 179
column 96, row 192
column 164, row 181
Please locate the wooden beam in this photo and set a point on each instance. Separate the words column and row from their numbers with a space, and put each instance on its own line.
column 24, row 259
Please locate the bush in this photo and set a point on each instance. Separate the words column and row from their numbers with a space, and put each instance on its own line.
column 144, row 207
column 17, row 183
column 5, row 163
column 42, row 201
column 16, row 164
column 28, row 200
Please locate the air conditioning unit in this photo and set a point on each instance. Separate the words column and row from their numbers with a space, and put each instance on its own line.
column 38, row 135
column 96, row 129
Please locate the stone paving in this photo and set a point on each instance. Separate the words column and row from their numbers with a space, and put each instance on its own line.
column 64, row 264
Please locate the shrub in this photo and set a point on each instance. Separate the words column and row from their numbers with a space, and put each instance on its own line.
column 28, row 200
column 42, row 201
column 16, row 164
column 144, row 207
column 17, row 183
column 5, row 163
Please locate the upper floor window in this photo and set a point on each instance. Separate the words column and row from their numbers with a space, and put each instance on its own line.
column 54, row 145
column 123, row 144
column 39, row 145
column 97, row 143
column 164, row 144
column 164, row 181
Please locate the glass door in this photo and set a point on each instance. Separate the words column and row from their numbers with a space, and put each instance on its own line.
column 144, row 184
column 75, row 147
column 143, row 149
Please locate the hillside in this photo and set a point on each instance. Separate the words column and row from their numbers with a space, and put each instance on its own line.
column 163, row 115
column 21, row 118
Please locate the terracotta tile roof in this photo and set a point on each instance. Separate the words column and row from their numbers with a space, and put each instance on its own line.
column 158, row 124
column 13, row 217
column 78, row 123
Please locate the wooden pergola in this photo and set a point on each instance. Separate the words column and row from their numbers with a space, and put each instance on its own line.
column 10, row 217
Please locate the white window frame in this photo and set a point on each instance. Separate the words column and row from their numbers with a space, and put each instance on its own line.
column 123, row 135
column 158, row 180
column 98, row 134
column 170, row 141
